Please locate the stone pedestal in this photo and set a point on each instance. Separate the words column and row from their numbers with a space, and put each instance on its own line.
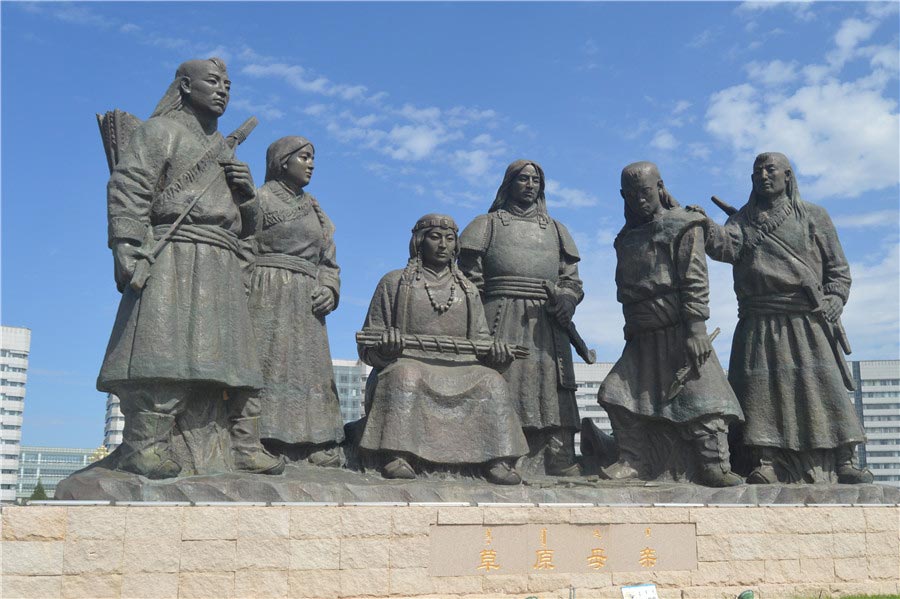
column 57, row 550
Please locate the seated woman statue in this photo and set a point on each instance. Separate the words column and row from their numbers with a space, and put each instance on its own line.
column 434, row 406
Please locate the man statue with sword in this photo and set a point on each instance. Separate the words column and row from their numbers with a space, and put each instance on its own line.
column 787, row 363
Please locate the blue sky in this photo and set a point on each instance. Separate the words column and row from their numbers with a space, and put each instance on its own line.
column 417, row 108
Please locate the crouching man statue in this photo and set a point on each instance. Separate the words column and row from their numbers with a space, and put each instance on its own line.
column 181, row 355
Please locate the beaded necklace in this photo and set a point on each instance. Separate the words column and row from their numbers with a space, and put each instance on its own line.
column 441, row 308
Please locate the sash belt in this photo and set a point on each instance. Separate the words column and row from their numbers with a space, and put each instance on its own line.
column 513, row 286
column 287, row 262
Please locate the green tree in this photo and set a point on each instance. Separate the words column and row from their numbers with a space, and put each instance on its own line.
column 38, row 494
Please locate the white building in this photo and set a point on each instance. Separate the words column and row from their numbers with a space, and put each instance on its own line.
column 877, row 397
column 349, row 378
column 114, row 424
column 588, row 378
column 50, row 465
column 15, row 344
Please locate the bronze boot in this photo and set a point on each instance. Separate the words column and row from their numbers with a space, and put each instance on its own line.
column 145, row 445
column 715, row 462
column 559, row 455
column 248, row 453
column 848, row 473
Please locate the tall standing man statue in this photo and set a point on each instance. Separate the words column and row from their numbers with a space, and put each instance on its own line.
column 511, row 254
column 179, row 205
column 787, row 365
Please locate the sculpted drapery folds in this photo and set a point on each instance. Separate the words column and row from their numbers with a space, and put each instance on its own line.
column 792, row 281
column 436, row 409
column 180, row 342
column 663, row 287
column 295, row 284
column 509, row 254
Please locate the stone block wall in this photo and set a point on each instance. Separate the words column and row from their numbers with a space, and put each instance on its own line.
column 354, row 551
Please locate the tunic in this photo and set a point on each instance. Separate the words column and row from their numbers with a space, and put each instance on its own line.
column 190, row 323
column 507, row 257
column 782, row 365
column 662, row 284
column 295, row 255
column 442, row 407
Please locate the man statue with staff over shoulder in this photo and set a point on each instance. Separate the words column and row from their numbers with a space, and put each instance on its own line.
column 181, row 356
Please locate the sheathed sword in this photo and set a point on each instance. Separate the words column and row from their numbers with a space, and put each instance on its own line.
column 581, row 348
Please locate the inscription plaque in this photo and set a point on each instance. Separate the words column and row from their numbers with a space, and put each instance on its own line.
column 465, row 550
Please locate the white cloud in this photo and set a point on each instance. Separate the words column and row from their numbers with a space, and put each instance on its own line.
column 414, row 142
column 473, row 163
column 567, row 197
column 702, row 39
column 849, row 36
column 681, row 106
column 802, row 10
column 266, row 110
column 298, row 77
column 870, row 316
column 772, row 74
column 842, row 137
column 866, row 220
column 664, row 140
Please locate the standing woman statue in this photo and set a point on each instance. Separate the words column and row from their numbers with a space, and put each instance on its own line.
column 787, row 366
column 295, row 284
column 514, row 254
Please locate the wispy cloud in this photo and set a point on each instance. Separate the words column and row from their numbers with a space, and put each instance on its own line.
column 842, row 134
column 871, row 312
column 567, row 197
column 800, row 9
column 664, row 140
column 772, row 74
column 866, row 220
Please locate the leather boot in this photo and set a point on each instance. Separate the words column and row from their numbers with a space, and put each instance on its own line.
column 715, row 462
column 501, row 472
column 764, row 474
column 145, row 442
column 398, row 468
column 248, row 453
column 848, row 473
column 559, row 455
column 628, row 464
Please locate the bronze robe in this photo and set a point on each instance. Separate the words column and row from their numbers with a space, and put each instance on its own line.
column 662, row 283
column 295, row 254
column 190, row 323
column 782, row 365
column 441, row 407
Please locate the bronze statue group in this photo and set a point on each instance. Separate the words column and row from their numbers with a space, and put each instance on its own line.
column 219, row 353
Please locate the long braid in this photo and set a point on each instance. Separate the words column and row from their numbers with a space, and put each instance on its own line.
column 326, row 234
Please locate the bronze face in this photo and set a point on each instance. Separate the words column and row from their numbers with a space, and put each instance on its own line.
column 438, row 247
column 769, row 178
column 642, row 196
column 207, row 89
column 298, row 169
column 525, row 187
